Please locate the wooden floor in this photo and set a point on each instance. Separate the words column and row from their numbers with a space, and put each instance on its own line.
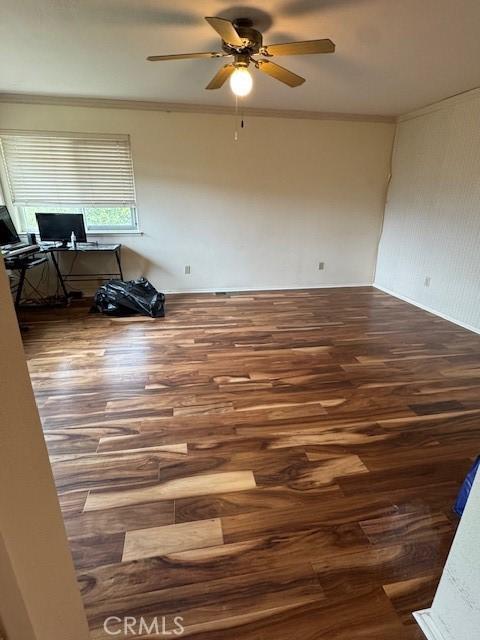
column 269, row 466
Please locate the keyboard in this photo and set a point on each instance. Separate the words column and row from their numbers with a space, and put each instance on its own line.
column 29, row 248
column 18, row 245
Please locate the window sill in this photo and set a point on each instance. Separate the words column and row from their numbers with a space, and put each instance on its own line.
column 130, row 232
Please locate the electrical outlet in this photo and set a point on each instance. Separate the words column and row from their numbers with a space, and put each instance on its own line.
column 427, row 281
column 321, row 266
column 188, row 270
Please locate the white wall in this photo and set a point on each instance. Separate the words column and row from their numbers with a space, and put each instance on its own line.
column 260, row 213
column 432, row 217
column 39, row 595
column 455, row 612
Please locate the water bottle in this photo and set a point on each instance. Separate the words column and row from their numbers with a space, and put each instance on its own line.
column 73, row 240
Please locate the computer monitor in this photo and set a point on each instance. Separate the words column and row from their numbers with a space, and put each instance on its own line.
column 58, row 227
column 8, row 234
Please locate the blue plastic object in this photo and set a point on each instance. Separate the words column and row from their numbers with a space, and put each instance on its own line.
column 464, row 492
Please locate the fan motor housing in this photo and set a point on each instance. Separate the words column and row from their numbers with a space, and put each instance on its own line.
column 244, row 28
column 242, row 60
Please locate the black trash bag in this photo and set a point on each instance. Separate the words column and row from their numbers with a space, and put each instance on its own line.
column 118, row 298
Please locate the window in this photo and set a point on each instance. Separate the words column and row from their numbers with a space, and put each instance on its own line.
column 71, row 173
column 96, row 218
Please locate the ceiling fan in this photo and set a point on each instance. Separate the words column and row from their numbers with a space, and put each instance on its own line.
column 242, row 41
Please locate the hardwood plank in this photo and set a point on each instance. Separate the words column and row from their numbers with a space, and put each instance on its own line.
column 243, row 526
column 96, row 550
column 353, row 616
column 90, row 471
column 407, row 527
column 103, row 447
column 72, row 503
column 405, row 477
column 160, row 541
column 412, row 595
column 327, row 470
column 269, row 468
column 280, row 497
column 172, row 489
column 380, row 564
column 119, row 519
column 275, row 551
column 222, row 599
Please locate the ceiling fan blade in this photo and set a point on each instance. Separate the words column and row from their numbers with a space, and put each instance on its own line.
column 279, row 73
column 187, row 56
column 226, row 31
column 300, row 48
column 221, row 77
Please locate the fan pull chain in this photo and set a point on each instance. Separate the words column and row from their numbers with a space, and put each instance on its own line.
column 239, row 116
column 235, row 136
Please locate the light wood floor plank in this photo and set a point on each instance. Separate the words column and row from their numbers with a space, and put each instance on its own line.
column 158, row 541
column 172, row 489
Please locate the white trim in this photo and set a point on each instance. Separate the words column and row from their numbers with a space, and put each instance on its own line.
column 424, row 307
column 108, row 103
column 94, row 234
column 426, row 623
column 268, row 288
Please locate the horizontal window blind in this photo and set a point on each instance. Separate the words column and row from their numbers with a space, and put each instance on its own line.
column 68, row 169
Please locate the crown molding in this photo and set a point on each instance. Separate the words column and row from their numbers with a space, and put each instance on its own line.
column 179, row 107
column 446, row 103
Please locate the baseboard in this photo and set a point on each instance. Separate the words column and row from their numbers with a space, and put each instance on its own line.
column 270, row 288
column 427, row 624
column 424, row 307
column 88, row 293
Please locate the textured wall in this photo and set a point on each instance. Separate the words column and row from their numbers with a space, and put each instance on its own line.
column 456, row 609
column 432, row 217
column 260, row 213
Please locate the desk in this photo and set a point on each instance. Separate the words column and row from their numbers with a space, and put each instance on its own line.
column 106, row 249
column 22, row 264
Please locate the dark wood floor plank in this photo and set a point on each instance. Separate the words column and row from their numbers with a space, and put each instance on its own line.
column 410, row 595
column 381, row 564
column 279, row 498
column 355, row 616
column 407, row 527
column 96, row 550
column 404, row 477
column 119, row 520
column 200, row 565
column 220, row 599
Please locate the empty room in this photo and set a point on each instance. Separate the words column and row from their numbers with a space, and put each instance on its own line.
column 240, row 320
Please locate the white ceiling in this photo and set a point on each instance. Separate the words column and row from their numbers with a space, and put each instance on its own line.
column 392, row 55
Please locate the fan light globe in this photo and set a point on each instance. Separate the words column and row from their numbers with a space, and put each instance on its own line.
column 241, row 82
